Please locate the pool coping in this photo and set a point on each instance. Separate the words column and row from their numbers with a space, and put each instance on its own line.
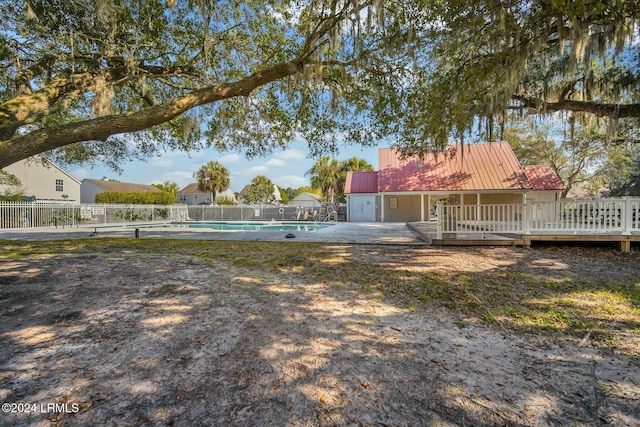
column 341, row 232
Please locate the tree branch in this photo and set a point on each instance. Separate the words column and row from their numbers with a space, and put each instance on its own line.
column 101, row 128
column 614, row 111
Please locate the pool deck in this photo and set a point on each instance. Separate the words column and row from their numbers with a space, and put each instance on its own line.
column 342, row 232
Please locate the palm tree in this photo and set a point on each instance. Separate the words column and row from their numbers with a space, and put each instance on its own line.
column 213, row 178
column 325, row 175
column 169, row 187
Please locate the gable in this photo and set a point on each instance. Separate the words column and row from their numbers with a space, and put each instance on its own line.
column 43, row 179
column 38, row 165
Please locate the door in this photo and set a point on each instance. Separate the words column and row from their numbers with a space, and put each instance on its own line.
column 363, row 208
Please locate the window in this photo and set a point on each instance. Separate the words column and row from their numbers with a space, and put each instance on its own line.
column 59, row 185
column 393, row 203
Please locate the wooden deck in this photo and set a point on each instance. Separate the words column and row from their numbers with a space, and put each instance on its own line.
column 427, row 232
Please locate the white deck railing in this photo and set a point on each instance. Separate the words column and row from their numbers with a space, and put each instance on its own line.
column 569, row 216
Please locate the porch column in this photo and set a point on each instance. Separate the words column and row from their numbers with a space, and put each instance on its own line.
column 381, row 207
column 422, row 207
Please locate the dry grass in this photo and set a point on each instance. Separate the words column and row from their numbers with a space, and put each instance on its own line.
column 574, row 293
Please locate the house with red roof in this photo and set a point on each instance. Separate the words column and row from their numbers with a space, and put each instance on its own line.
column 408, row 189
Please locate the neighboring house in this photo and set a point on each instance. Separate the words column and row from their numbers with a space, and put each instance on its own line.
column 89, row 188
column 276, row 195
column 44, row 180
column 192, row 195
column 405, row 190
column 306, row 200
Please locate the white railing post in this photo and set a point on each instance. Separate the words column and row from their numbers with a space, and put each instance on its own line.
column 627, row 215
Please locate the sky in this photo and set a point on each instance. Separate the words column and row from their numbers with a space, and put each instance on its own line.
column 285, row 168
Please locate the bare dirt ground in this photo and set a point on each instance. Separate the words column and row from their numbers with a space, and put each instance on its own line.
column 145, row 339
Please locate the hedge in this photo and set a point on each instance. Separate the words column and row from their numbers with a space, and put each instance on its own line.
column 128, row 197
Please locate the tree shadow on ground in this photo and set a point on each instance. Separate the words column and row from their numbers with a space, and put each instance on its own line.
column 140, row 339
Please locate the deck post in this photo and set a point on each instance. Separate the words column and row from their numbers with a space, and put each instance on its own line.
column 625, row 246
column 627, row 216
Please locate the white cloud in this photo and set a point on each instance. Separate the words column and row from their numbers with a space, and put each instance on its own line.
column 291, row 154
column 257, row 170
column 293, row 181
column 274, row 163
column 230, row 158
column 164, row 162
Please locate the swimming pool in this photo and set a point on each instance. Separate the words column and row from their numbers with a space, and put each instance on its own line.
column 251, row 226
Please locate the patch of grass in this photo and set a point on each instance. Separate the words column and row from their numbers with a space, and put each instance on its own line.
column 489, row 318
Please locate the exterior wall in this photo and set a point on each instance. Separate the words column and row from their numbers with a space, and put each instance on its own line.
column 303, row 200
column 402, row 208
column 500, row 198
column 45, row 182
column 193, row 198
column 542, row 196
column 469, row 199
column 202, row 198
column 88, row 192
column 407, row 206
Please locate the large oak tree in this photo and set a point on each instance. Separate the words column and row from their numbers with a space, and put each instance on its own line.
column 107, row 80
column 492, row 58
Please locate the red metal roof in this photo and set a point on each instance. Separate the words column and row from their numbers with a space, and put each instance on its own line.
column 468, row 167
column 543, row 177
column 361, row 182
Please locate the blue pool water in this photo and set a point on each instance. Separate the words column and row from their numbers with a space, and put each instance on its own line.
column 253, row 226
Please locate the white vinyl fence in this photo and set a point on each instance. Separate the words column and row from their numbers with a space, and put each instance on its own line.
column 36, row 214
column 569, row 216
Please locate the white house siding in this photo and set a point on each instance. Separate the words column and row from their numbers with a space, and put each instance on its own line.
column 190, row 196
column 88, row 191
column 193, row 198
column 45, row 181
column 305, row 200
